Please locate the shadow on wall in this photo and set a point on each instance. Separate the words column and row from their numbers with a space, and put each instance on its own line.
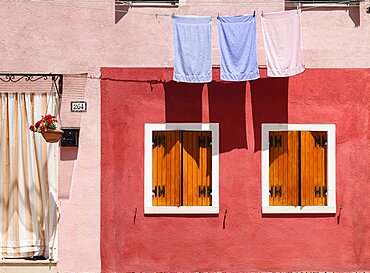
column 67, row 163
column 120, row 11
column 269, row 104
column 183, row 102
column 227, row 107
column 74, row 89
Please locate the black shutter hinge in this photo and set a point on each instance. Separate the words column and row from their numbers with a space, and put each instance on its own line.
column 204, row 141
column 159, row 191
column 205, row 191
column 321, row 141
column 159, row 141
column 275, row 141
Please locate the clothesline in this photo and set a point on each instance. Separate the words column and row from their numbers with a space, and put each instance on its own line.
column 256, row 5
column 299, row 6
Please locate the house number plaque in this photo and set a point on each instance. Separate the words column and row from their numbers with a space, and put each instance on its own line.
column 78, row 106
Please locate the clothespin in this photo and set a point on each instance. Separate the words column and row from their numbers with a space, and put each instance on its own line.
column 218, row 15
column 173, row 14
column 254, row 13
column 262, row 14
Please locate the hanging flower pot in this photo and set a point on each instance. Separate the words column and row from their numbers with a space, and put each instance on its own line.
column 52, row 136
column 47, row 126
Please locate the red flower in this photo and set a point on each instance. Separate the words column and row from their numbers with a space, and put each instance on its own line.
column 47, row 122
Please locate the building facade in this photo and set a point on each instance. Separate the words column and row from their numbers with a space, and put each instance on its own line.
column 119, row 60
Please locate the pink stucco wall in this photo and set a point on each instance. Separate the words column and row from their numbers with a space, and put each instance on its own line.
column 250, row 241
column 73, row 37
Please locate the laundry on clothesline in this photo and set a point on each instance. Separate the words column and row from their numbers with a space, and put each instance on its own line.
column 283, row 43
column 238, row 53
column 282, row 39
column 192, row 47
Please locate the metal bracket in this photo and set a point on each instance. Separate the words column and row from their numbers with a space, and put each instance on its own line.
column 29, row 77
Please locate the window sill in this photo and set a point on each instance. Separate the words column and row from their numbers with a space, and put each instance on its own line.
column 25, row 266
column 298, row 210
column 181, row 210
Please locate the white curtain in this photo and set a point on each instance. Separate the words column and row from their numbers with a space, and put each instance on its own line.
column 28, row 177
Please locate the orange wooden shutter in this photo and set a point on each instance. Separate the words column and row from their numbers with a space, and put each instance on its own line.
column 284, row 168
column 313, row 168
column 166, row 168
column 197, row 168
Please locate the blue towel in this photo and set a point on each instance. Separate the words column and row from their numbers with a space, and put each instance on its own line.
column 192, row 45
column 237, row 38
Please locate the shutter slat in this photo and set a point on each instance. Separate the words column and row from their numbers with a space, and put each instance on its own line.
column 185, row 182
column 195, row 162
column 187, row 171
column 304, row 168
column 177, row 169
column 206, row 171
column 280, row 182
column 315, row 166
column 271, row 169
column 155, row 168
column 286, row 170
column 201, row 176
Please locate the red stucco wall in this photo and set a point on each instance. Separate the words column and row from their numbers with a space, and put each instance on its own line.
column 250, row 241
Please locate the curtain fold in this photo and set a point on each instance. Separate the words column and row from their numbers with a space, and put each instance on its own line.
column 28, row 178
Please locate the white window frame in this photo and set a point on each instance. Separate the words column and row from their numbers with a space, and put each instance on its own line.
column 331, row 192
column 148, row 156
